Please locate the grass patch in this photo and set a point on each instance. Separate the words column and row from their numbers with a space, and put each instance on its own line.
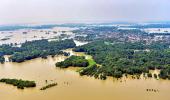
column 91, row 62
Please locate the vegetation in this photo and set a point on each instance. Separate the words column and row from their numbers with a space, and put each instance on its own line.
column 155, row 76
column 19, row 83
column 89, row 70
column 4, row 39
column 2, row 59
column 91, row 33
column 161, row 25
column 118, row 58
column 76, row 61
column 149, row 75
column 34, row 49
column 48, row 86
column 165, row 73
column 17, row 27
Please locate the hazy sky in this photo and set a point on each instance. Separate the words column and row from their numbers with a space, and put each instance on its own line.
column 54, row 11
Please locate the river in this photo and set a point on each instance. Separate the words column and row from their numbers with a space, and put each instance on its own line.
column 72, row 86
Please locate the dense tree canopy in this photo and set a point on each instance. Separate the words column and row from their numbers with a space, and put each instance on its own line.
column 2, row 59
column 35, row 49
column 19, row 83
column 119, row 58
column 75, row 61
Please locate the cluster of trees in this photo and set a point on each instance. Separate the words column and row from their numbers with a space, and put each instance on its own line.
column 165, row 73
column 48, row 86
column 2, row 59
column 19, row 83
column 6, row 49
column 75, row 61
column 34, row 49
column 133, row 31
column 126, row 58
column 88, row 70
column 89, row 37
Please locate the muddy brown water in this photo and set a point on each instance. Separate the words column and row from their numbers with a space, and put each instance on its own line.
column 72, row 86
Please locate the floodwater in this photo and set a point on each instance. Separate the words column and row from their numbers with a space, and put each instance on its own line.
column 72, row 86
column 157, row 30
column 23, row 35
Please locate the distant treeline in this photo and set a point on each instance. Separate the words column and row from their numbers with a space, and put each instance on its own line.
column 152, row 34
column 48, row 26
column 150, row 26
column 17, row 27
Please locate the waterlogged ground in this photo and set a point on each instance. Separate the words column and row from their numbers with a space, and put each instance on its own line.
column 157, row 30
column 23, row 35
column 71, row 86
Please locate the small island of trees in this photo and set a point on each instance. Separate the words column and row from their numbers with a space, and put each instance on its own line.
column 75, row 61
column 21, row 84
column 48, row 86
column 2, row 59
